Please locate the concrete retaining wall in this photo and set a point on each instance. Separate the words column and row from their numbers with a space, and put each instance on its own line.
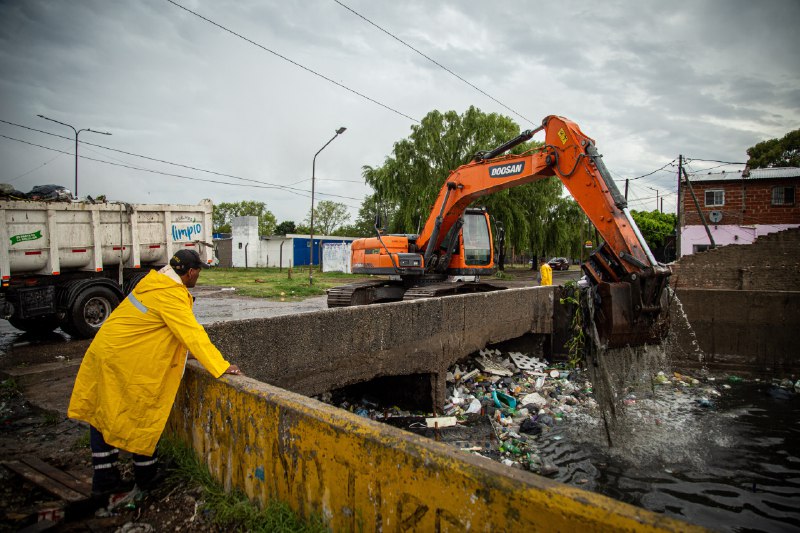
column 771, row 263
column 311, row 353
column 747, row 332
column 360, row 475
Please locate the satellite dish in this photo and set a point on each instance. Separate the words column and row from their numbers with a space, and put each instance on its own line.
column 715, row 216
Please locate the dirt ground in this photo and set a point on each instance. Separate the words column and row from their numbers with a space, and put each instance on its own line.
column 33, row 420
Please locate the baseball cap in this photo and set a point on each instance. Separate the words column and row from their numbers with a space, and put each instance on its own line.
column 184, row 259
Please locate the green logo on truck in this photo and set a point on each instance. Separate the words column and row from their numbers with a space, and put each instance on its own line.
column 26, row 237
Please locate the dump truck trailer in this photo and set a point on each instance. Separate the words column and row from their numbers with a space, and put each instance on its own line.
column 69, row 264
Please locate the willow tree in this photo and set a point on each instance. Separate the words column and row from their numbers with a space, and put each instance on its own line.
column 411, row 177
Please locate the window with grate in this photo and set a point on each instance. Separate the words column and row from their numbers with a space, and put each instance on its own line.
column 783, row 196
column 715, row 198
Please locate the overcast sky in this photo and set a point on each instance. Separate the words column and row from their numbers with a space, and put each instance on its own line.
column 646, row 80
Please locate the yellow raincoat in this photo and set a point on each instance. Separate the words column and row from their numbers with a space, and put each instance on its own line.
column 546, row 274
column 130, row 374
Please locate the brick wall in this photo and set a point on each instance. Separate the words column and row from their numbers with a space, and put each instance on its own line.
column 772, row 263
column 746, row 202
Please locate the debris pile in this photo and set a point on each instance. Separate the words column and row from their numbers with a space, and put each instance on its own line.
column 525, row 398
column 496, row 407
column 512, row 407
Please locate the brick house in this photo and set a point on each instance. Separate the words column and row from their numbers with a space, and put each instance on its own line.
column 738, row 206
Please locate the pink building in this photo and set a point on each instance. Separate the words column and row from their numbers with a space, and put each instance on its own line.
column 738, row 207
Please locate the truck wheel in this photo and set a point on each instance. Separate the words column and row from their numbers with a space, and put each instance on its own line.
column 91, row 308
column 38, row 325
column 133, row 281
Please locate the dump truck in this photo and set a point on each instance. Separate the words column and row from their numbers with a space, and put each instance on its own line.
column 456, row 240
column 69, row 264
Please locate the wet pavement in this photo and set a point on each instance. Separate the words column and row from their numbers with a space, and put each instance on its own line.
column 212, row 304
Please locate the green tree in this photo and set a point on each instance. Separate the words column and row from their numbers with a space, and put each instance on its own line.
column 287, row 226
column 225, row 212
column 783, row 152
column 412, row 176
column 561, row 229
column 655, row 226
column 328, row 216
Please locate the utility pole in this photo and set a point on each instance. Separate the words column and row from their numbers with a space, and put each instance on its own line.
column 626, row 188
column 700, row 212
column 656, row 199
column 77, row 132
column 679, row 211
column 662, row 204
column 311, row 229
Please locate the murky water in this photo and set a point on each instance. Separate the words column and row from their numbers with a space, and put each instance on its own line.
column 720, row 453
column 730, row 463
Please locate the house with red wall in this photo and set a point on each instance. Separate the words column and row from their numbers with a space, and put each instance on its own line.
column 737, row 207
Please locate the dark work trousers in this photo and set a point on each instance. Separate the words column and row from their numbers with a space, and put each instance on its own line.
column 104, row 463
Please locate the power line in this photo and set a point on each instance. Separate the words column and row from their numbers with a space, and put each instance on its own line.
column 662, row 169
column 651, row 197
column 653, row 172
column 33, row 169
column 712, row 168
column 295, row 63
column 401, row 41
column 687, row 159
column 189, row 167
column 325, row 179
column 298, row 192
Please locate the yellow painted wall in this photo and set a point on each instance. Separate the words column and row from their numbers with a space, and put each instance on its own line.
column 361, row 475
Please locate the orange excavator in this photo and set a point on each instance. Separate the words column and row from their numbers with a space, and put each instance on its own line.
column 456, row 241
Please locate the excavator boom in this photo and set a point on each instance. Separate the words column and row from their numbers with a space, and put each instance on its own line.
column 629, row 282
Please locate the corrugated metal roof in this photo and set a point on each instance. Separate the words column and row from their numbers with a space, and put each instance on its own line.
column 755, row 174
column 778, row 172
column 715, row 176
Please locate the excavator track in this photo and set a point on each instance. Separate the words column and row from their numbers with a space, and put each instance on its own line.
column 380, row 291
column 435, row 290
column 364, row 293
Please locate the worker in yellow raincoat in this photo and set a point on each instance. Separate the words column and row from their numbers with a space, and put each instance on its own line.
column 545, row 272
column 130, row 374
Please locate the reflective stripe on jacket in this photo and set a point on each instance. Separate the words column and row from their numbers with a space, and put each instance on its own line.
column 130, row 374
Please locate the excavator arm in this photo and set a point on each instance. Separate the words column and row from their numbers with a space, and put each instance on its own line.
column 629, row 281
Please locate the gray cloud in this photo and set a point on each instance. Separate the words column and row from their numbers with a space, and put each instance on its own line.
column 647, row 81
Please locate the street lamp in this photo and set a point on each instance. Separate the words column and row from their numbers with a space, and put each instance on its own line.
column 77, row 132
column 311, row 231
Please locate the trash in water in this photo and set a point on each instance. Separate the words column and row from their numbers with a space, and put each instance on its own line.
column 440, row 422
column 548, row 422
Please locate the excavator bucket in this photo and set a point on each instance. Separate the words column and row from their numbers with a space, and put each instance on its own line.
column 621, row 320
column 631, row 309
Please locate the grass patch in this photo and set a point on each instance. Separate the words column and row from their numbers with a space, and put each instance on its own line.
column 82, row 442
column 51, row 418
column 9, row 388
column 232, row 511
column 273, row 283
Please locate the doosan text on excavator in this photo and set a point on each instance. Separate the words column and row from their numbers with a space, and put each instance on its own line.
column 456, row 241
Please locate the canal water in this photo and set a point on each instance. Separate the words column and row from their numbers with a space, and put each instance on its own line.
column 730, row 462
column 722, row 453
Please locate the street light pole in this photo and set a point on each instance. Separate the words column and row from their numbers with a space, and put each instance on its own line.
column 311, row 230
column 77, row 132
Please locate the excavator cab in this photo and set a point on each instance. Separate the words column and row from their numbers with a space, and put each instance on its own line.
column 470, row 244
column 477, row 239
